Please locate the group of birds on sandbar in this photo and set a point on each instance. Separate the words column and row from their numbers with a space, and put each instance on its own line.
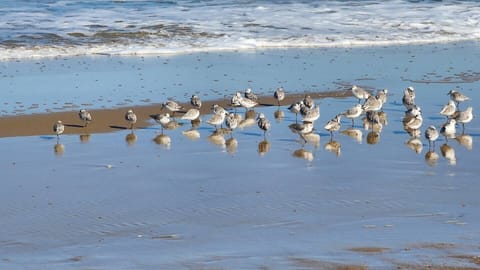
column 371, row 107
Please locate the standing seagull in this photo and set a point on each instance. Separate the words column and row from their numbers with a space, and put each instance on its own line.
column 457, row 96
column 333, row 125
column 85, row 116
column 431, row 134
column 263, row 123
column 131, row 118
column 359, row 93
column 58, row 128
column 279, row 95
column 196, row 102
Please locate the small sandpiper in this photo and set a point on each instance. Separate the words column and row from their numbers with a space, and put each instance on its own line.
column 333, row 125
column 172, row 106
column 353, row 112
column 196, row 102
column 263, row 123
column 131, row 117
column 359, row 93
column 457, row 96
column 58, row 128
column 279, row 95
column 85, row 116
column 431, row 134
column 449, row 109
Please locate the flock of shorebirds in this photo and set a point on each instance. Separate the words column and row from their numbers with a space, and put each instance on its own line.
column 371, row 107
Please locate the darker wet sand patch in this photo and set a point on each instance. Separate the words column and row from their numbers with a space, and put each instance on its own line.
column 369, row 249
column 306, row 263
column 110, row 120
column 470, row 258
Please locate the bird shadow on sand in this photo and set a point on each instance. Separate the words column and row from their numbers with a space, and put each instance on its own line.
column 251, row 134
column 267, row 104
column 119, row 127
column 74, row 125
column 48, row 137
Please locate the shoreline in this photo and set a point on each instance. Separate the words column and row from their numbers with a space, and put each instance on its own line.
column 110, row 120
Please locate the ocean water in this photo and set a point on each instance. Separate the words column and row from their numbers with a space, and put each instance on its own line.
column 132, row 27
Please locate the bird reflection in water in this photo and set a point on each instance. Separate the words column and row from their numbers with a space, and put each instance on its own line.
column 303, row 154
column 353, row 133
column 58, row 149
column 449, row 153
column 465, row 140
column 191, row 134
column 373, row 137
column 279, row 115
column 218, row 137
column 431, row 157
column 334, row 147
column 415, row 144
column 85, row 138
column 231, row 145
column 131, row 138
column 263, row 147
column 164, row 140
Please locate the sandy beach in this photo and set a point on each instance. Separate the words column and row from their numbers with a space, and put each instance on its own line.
column 106, row 197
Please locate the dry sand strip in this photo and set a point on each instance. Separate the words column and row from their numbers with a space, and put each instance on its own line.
column 109, row 120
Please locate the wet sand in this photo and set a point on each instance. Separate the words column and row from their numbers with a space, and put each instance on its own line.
column 110, row 120
column 103, row 197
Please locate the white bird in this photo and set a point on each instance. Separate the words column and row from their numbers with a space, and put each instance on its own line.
column 449, row 109
column 58, row 128
column 217, row 119
column 333, row 125
column 448, row 129
column 279, row 95
column 263, row 123
column 413, row 123
column 372, row 104
column 217, row 109
column 295, row 108
column 250, row 95
column 131, row 117
column 431, row 134
column 310, row 115
column 196, row 102
column 408, row 99
column 359, row 93
column 457, row 96
column 463, row 117
column 191, row 114
column 382, row 95
column 308, row 102
column 353, row 112
column 172, row 106
column 85, row 116
column 231, row 121
column 301, row 128
column 246, row 102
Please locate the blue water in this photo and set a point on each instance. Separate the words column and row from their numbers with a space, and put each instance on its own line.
column 66, row 27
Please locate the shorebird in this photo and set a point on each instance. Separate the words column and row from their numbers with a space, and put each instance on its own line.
column 457, row 96
column 58, row 128
column 191, row 114
column 413, row 122
column 162, row 119
column 449, row 109
column 263, row 123
column 295, row 108
column 231, row 121
column 333, row 125
column 353, row 112
column 408, row 99
column 302, row 129
column 431, row 134
column 250, row 95
column 308, row 102
column 85, row 116
column 217, row 109
column 246, row 102
column 359, row 93
column 463, row 117
column 131, row 118
column 196, row 102
column 172, row 106
column 279, row 95
column 448, row 129
column 310, row 115
column 217, row 119
column 372, row 104
column 382, row 95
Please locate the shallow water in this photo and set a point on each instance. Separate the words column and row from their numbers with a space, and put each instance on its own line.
column 127, row 201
